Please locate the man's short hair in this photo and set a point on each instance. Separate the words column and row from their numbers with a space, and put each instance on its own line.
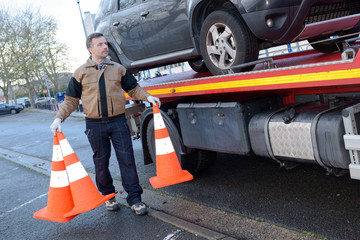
column 91, row 37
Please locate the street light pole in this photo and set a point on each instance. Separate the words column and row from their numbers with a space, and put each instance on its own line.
column 42, row 65
column 82, row 19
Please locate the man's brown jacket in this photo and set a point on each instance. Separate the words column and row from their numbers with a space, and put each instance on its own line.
column 84, row 85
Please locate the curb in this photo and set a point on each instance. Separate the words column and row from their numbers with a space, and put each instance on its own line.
column 73, row 114
column 190, row 227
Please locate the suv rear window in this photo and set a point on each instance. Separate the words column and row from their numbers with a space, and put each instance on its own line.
column 126, row 3
column 105, row 6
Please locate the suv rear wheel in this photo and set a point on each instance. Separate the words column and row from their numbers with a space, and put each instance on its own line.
column 225, row 41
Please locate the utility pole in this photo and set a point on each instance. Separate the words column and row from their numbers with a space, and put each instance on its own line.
column 82, row 19
column 42, row 64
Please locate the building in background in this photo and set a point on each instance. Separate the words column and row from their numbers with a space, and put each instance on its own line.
column 89, row 20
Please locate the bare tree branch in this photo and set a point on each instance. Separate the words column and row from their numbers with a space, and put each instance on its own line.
column 21, row 37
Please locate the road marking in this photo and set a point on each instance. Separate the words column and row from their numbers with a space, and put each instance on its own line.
column 9, row 171
column 173, row 236
column 24, row 204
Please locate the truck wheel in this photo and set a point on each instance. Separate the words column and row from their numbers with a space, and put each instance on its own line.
column 150, row 140
column 193, row 162
column 225, row 41
column 198, row 66
column 198, row 160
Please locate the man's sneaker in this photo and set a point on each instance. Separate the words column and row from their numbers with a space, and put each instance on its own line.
column 139, row 208
column 112, row 204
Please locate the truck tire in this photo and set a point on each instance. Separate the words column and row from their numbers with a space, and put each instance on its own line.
column 198, row 65
column 150, row 140
column 193, row 162
column 198, row 160
column 225, row 41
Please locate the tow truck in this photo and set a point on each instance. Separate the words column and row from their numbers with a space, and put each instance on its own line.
column 301, row 107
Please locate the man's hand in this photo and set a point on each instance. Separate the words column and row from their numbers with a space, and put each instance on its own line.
column 56, row 126
column 154, row 100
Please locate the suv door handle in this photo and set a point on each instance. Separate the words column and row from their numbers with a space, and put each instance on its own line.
column 144, row 14
column 115, row 24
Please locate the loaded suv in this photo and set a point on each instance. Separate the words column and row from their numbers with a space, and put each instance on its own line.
column 219, row 34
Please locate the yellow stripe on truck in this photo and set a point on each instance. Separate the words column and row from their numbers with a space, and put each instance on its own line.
column 298, row 78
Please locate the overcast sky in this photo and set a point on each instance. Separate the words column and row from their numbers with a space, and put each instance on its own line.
column 67, row 15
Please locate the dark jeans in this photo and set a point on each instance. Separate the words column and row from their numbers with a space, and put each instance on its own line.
column 99, row 135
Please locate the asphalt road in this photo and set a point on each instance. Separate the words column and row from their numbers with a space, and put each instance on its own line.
column 25, row 192
column 305, row 199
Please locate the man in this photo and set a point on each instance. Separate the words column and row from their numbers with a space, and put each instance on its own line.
column 99, row 84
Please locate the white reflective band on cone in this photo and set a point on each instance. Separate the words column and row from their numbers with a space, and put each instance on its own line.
column 158, row 121
column 59, row 179
column 76, row 171
column 65, row 147
column 163, row 146
column 57, row 155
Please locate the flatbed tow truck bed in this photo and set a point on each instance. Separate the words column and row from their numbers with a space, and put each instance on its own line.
column 297, row 73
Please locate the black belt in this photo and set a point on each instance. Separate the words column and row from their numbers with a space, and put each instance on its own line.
column 105, row 119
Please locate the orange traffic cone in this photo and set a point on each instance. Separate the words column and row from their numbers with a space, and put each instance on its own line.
column 60, row 200
column 168, row 169
column 84, row 192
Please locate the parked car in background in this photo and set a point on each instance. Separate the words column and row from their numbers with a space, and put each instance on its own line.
column 44, row 101
column 219, row 34
column 9, row 109
column 24, row 102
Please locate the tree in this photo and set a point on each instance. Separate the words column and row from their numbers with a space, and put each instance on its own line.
column 55, row 61
column 22, row 37
column 29, row 33
column 7, row 73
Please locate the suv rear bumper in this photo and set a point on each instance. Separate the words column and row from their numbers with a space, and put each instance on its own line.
column 328, row 27
column 304, row 20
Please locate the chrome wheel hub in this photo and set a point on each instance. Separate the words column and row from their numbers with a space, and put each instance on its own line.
column 220, row 45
